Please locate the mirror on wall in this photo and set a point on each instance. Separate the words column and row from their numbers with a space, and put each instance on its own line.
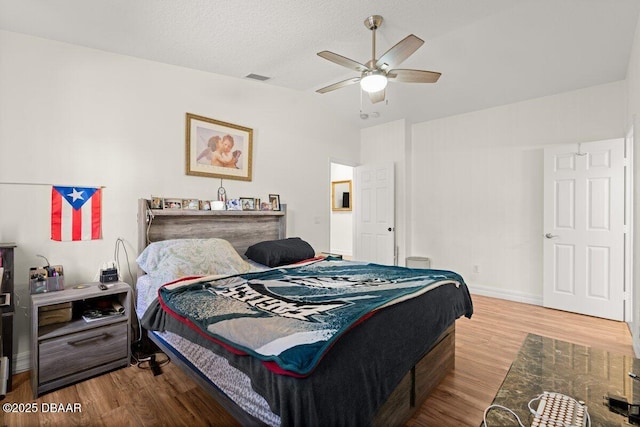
column 341, row 196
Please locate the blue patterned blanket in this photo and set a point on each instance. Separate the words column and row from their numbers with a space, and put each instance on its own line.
column 290, row 317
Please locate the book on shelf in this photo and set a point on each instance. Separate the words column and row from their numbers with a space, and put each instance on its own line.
column 100, row 313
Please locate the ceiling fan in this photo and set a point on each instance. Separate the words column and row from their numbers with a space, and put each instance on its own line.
column 376, row 72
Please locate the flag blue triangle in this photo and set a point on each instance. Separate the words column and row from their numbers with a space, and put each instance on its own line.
column 76, row 196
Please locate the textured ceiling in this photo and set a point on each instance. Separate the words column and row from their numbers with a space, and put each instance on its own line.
column 490, row 52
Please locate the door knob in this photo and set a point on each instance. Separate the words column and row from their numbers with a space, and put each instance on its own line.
column 550, row 236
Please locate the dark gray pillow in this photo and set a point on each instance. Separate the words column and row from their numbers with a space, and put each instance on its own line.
column 274, row 253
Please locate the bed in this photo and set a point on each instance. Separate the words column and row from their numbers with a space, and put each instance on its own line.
column 378, row 372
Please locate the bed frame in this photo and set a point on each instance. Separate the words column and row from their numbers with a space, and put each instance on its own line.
column 244, row 228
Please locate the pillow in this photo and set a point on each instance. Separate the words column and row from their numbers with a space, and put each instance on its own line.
column 274, row 253
column 169, row 260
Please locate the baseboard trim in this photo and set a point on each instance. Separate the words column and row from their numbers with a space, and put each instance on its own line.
column 506, row 294
column 22, row 362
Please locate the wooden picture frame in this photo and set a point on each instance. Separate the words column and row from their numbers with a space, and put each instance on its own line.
column 341, row 195
column 218, row 149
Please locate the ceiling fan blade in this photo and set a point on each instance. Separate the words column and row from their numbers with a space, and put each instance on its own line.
column 413, row 76
column 377, row 96
column 341, row 60
column 339, row 85
column 398, row 53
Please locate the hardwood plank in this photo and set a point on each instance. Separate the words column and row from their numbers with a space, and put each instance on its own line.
column 486, row 345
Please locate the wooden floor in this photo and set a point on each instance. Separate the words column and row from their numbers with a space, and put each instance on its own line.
column 485, row 347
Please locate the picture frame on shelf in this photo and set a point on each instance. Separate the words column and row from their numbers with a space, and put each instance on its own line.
column 172, row 203
column 217, row 205
column 218, row 149
column 248, row 203
column 274, row 201
column 157, row 202
column 191, row 204
column 234, row 205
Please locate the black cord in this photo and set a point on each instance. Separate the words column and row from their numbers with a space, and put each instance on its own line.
column 147, row 362
column 116, row 251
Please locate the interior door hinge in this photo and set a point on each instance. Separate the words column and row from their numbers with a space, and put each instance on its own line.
column 626, row 295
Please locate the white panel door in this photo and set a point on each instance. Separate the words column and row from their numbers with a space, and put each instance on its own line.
column 374, row 212
column 584, row 228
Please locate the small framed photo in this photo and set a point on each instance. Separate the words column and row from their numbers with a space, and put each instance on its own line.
column 234, row 205
column 191, row 204
column 265, row 206
column 157, row 202
column 205, row 205
column 274, row 200
column 248, row 204
column 217, row 205
column 173, row 203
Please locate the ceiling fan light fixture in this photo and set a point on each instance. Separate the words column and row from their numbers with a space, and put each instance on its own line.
column 375, row 73
column 373, row 81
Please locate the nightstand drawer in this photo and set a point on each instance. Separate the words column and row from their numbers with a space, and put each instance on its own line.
column 77, row 352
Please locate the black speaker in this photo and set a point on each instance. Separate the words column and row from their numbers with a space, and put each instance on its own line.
column 109, row 275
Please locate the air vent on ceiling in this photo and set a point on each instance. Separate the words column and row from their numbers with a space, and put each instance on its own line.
column 257, row 77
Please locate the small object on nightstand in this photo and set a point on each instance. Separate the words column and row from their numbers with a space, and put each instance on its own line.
column 46, row 279
column 103, row 287
column 108, row 275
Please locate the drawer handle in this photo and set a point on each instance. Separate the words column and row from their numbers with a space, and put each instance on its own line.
column 86, row 340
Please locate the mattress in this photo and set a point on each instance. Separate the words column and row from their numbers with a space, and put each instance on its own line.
column 212, row 367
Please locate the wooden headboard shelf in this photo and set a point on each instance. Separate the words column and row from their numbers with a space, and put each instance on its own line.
column 241, row 228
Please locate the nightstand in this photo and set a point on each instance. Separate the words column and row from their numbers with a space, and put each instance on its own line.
column 66, row 348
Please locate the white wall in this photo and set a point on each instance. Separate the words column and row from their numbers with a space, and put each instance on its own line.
column 76, row 116
column 341, row 239
column 388, row 143
column 477, row 184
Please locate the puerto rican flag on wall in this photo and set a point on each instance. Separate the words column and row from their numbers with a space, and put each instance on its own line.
column 76, row 213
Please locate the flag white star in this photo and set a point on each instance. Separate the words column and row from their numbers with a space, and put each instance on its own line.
column 75, row 195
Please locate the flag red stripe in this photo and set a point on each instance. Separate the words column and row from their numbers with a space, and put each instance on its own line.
column 76, row 224
column 96, row 205
column 56, row 215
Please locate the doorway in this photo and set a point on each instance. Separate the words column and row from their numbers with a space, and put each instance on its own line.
column 341, row 220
